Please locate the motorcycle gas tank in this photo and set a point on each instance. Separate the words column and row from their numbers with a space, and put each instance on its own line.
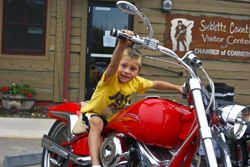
column 155, row 121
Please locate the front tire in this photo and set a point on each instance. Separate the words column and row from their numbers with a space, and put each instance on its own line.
column 59, row 133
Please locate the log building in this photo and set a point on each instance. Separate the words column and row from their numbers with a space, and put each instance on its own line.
column 61, row 47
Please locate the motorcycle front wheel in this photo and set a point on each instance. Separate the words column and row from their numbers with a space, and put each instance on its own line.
column 59, row 133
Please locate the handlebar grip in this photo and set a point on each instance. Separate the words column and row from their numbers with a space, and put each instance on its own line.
column 119, row 34
column 145, row 42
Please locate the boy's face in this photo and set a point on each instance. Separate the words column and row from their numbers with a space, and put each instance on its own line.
column 128, row 70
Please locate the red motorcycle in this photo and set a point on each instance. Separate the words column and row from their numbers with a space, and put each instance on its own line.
column 153, row 131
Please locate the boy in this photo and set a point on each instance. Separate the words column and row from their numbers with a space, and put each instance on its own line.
column 113, row 91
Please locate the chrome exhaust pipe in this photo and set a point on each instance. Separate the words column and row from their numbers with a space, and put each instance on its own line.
column 53, row 147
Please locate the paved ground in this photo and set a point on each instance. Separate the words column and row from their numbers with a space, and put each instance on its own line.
column 18, row 147
column 28, row 128
column 21, row 136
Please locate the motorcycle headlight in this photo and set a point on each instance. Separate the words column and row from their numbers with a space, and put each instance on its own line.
column 235, row 118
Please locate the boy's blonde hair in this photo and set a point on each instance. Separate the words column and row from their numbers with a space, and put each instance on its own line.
column 133, row 54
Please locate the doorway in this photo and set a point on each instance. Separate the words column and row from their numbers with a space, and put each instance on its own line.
column 103, row 17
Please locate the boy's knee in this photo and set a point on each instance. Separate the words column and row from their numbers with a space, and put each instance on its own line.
column 95, row 122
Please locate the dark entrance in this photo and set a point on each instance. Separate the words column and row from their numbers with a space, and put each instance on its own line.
column 102, row 18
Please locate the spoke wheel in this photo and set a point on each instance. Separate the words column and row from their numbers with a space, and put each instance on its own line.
column 59, row 133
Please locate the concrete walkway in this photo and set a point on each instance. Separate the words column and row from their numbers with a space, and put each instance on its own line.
column 27, row 128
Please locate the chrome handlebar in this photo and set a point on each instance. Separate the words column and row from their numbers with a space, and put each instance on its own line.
column 153, row 44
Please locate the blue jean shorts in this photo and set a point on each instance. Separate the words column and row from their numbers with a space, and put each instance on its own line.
column 87, row 115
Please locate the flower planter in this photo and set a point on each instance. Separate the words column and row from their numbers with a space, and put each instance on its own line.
column 10, row 102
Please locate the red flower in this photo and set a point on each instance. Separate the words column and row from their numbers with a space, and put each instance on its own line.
column 4, row 89
column 18, row 89
column 29, row 95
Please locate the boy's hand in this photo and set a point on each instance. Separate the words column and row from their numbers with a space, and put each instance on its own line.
column 117, row 55
column 126, row 42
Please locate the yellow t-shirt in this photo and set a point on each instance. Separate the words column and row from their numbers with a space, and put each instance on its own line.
column 111, row 96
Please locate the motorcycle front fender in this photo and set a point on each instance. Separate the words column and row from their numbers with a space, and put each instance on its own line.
column 67, row 112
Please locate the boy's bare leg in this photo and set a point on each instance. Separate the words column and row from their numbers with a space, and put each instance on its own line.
column 94, row 140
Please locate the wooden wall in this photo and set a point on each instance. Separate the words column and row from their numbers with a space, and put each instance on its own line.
column 46, row 72
column 233, row 73
column 78, row 50
column 38, row 71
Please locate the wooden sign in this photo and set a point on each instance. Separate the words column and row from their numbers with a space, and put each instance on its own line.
column 208, row 37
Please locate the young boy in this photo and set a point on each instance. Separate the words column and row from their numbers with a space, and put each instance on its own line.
column 113, row 91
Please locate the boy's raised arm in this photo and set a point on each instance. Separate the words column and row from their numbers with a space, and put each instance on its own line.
column 115, row 59
column 117, row 55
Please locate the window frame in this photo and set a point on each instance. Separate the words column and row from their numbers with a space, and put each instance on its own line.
column 26, row 51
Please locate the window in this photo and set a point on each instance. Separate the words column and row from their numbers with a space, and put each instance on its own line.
column 24, row 27
column 104, row 18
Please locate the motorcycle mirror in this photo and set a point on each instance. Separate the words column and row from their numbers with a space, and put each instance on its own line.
column 130, row 9
column 127, row 7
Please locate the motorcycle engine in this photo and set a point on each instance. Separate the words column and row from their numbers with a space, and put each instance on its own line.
column 153, row 156
column 115, row 151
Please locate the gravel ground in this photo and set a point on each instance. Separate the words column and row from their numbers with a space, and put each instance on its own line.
column 35, row 112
